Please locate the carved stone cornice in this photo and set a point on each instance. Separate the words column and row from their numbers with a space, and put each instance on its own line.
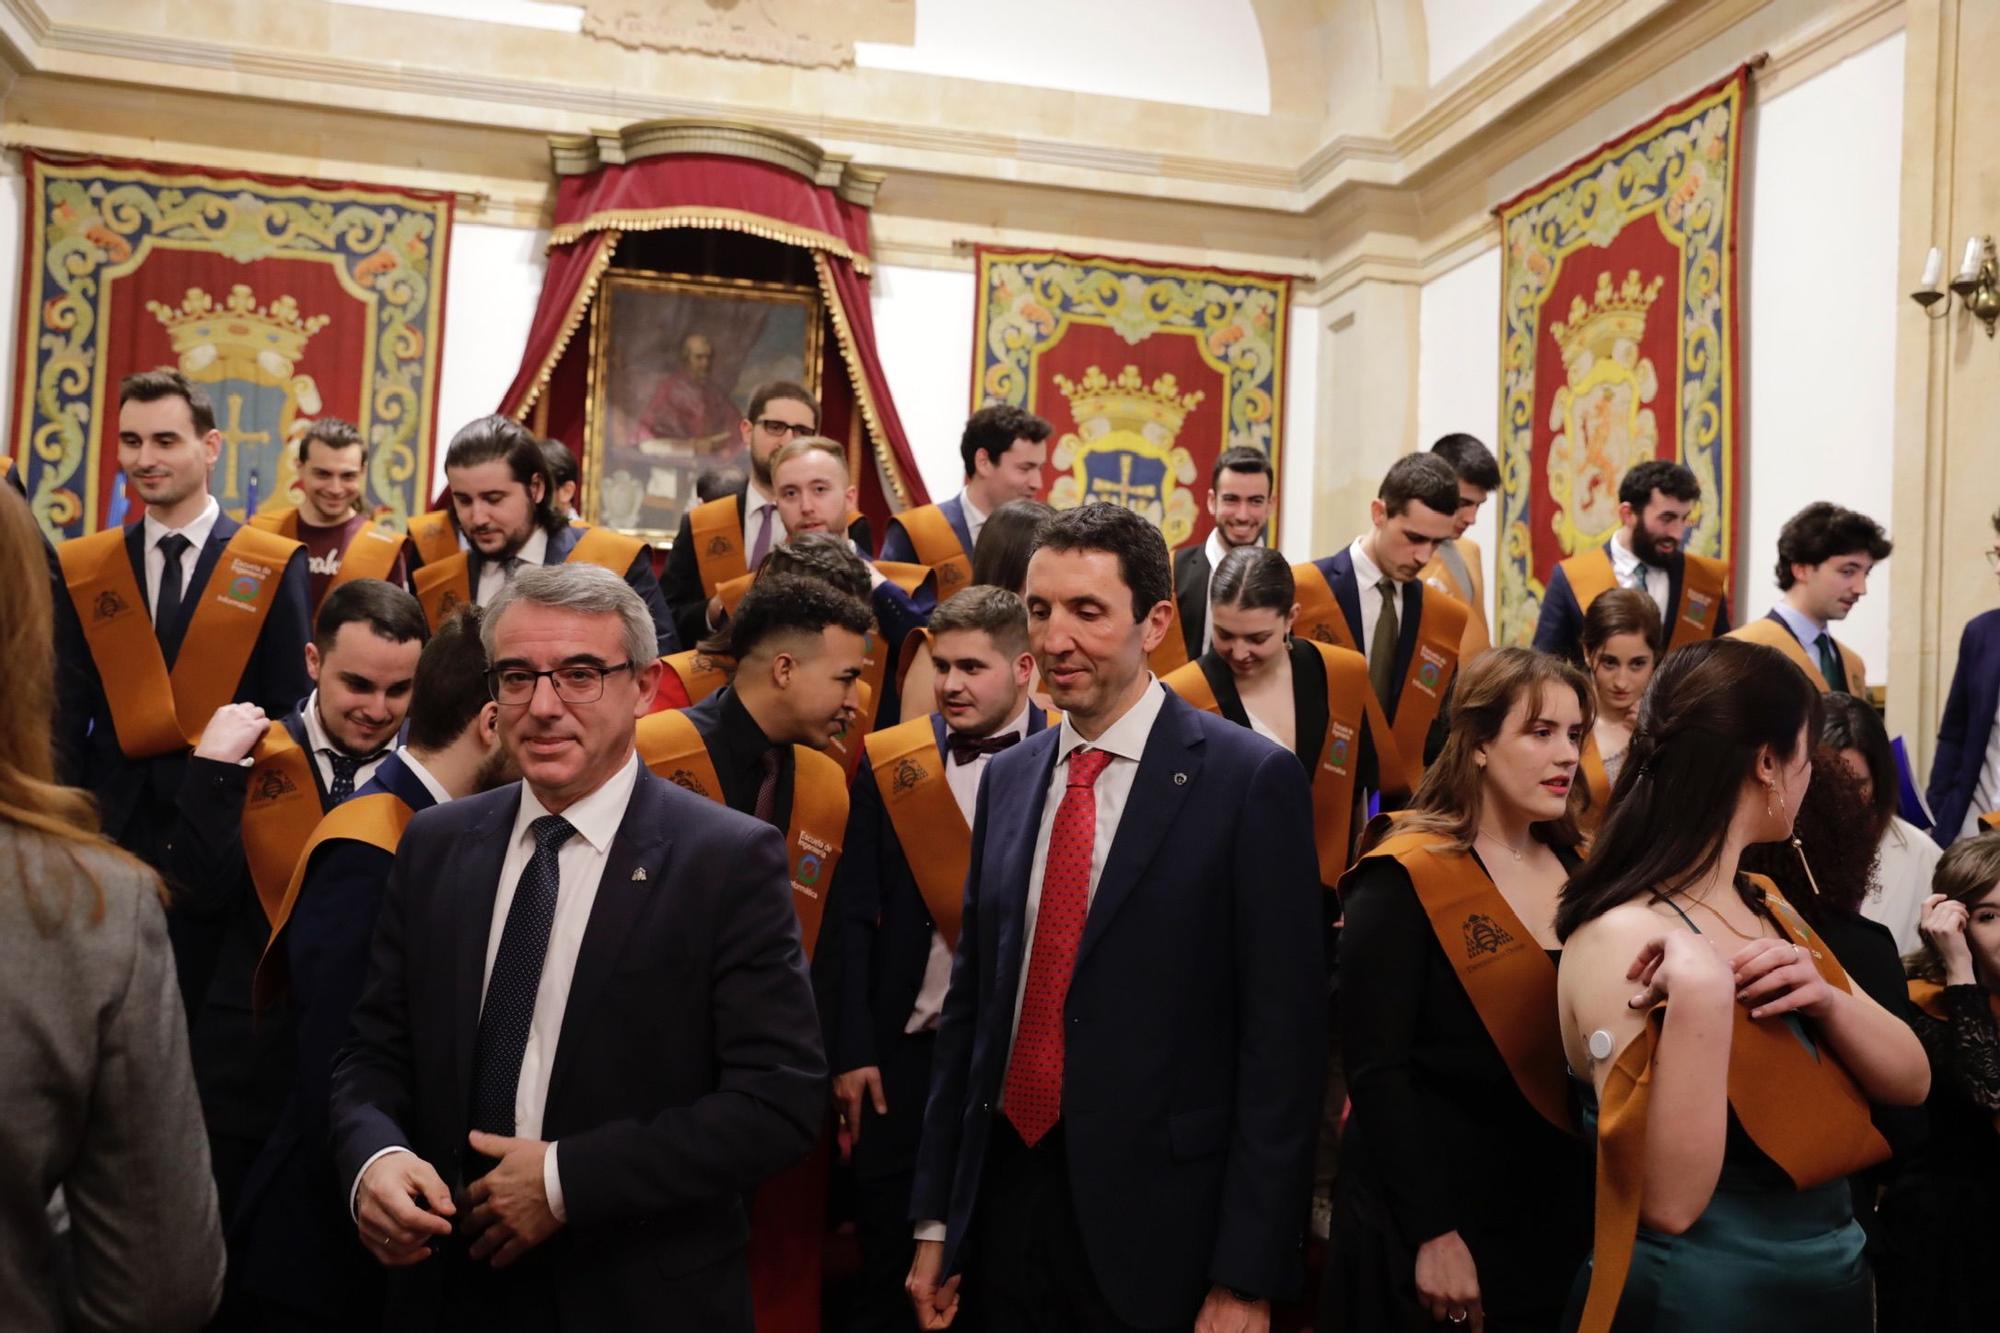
column 581, row 154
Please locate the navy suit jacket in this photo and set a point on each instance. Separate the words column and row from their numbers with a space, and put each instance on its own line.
column 1339, row 571
column 291, row 1236
column 896, row 544
column 688, row 1068
column 1196, row 1020
column 640, row 578
column 680, row 580
column 136, row 797
column 1559, row 630
column 881, row 926
column 1966, row 726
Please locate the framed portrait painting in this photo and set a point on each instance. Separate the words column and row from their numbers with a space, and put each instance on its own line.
column 673, row 361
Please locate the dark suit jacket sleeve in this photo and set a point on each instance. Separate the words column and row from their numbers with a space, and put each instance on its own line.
column 770, row 1092
column 856, row 904
column 896, row 545
column 326, row 956
column 275, row 679
column 374, row 1081
column 1947, row 795
column 861, row 535
column 204, row 862
column 680, row 585
column 643, row 581
column 1560, row 625
column 1722, row 624
column 1281, row 1055
column 951, row 1054
column 76, row 686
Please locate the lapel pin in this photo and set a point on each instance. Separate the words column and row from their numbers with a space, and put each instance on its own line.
column 1180, row 779
column 638, row 874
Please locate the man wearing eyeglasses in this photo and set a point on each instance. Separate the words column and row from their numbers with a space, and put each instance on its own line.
column 728, row 537
column 1965, row 770
column 587, row 1030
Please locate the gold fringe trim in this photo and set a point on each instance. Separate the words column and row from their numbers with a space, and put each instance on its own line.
column 715, row 219
column 578, row 308
column 848, row 355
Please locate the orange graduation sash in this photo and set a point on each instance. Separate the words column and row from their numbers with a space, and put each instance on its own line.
column 1339, row 752
column 1399, row 749
column 936, row 841
column 445, row 585
column 701, row 674
column 1441, row 574
column 154, row 711
column 1990, row 821
column 1590, row 575
column 916, row 641
column 1597, row 782
column 280, row 810
column 1774, row 634
column 670, row 746
column 433, row 535
column 377, row 819
column 1799, row 1105
column 937, row 547
column 1506, row 975
column 607, row 549
column 716, row 529
column 370, row 555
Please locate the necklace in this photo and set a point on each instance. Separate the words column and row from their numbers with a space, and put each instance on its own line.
column 1518, row 852
column 1724, row 920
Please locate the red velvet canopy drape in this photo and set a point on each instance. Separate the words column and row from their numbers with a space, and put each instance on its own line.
column 712, row 193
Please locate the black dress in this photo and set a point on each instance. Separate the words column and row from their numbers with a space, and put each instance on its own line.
column 1439, row 1137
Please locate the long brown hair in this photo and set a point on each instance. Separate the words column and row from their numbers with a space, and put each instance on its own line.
column 1449, row 799
column 30, row 797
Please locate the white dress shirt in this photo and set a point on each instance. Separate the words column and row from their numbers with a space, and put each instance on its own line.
column 1803, row 627
column 323, row 746
column 975, row 519
column 1625, row 564
column 756, row 502
column 579, row 867
column 963, row 779
column 1214, row 550
column 196, row 530
column 425, row 776
column 1986, row 794
column 1366, row 576
column 494, row 573
column 1903, row 874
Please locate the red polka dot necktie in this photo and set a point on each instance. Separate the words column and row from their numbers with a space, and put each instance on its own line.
column 1033, row 1092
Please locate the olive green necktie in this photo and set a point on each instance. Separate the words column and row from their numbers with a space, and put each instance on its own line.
column 1382, row 648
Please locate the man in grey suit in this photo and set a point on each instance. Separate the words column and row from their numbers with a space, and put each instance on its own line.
column 587, row 1028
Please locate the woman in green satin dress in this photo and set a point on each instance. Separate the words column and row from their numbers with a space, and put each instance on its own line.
column 1659, row 919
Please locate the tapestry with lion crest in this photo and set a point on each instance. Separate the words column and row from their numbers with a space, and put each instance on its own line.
column 1619, row 340
column 286, row 300
column 1147, row 373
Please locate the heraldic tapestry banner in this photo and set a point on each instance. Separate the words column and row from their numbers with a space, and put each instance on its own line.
column 1618, row 341
column 286, row 300
column 1146, row 373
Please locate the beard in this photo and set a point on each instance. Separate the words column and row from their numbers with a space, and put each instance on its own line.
column 1650, row 546
column 497, row 769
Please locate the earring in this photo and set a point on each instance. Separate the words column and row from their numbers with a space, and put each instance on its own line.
column 1770, row 792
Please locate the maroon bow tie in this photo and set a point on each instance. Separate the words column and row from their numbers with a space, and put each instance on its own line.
column 965, row 749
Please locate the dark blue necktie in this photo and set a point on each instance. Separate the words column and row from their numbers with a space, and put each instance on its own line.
column 517, row 975
column 167, row 602
column 345, row 768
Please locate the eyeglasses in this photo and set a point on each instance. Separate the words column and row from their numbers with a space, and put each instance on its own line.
column 515, row 686
column 1993, row 559
column 773, row 426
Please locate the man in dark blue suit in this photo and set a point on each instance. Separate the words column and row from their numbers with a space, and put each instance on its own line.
column 292, row 1241
column 1003, row 449
column 502, row 498
column 167, row 442
column 1965, row 770
column 1127, row 1073
column 894, row 917
column 587, row 1029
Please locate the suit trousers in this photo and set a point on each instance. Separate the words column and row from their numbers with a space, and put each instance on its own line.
column 1026, row 1270
column 885, row 1163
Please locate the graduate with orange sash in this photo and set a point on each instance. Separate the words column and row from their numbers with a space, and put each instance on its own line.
column 727, row 537
column 1369, row 599
column 894, row 917
column 295, row 1255
column 1004, row 448
column 342, row 542
column 756, row 747
column 1621, row 637
column 1463, row 1195
column 255, row 790
column 169, row 619
column 1458, row 567
column 1304, row 696
column 1649, row 552
column 1731, row 1064
column 1825, row 554
column 500, row 500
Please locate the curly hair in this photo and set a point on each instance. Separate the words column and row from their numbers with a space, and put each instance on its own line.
column 1836, row 833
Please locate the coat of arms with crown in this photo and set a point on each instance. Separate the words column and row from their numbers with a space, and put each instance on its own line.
column 1123, row 452
column 1600, row 420
column 247, row 356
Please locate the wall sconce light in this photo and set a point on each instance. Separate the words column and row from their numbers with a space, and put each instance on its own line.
column 1977, row 284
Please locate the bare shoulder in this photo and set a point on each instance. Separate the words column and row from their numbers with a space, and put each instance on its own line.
column 1620, row 930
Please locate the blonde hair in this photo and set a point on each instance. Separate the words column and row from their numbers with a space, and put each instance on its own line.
column 811, row 444
column 1966, row 872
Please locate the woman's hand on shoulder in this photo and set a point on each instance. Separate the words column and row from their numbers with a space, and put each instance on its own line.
column 1777, row 977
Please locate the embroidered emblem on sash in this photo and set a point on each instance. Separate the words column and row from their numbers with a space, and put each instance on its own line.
column 718, row 545
column 272, row 784
column 108, row 606
column 1321, row 634
column 909, row 773
column 682, row 777
column 1430, row 669
column 447, row 604
column 1697, row 607
column 1484, row 935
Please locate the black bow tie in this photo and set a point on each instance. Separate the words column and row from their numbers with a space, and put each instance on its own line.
column 965, row 749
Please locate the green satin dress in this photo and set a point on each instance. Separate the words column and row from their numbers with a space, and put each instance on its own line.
column 1763, row 1256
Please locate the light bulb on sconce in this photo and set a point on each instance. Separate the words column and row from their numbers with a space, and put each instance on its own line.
column 1976, row 284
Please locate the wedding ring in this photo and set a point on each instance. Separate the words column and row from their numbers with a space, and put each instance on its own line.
column 1459, row 1317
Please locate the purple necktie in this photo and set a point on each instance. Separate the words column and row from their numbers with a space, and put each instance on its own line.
column 762, row 546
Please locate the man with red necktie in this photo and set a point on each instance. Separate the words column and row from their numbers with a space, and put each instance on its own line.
column 1126, row 1076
